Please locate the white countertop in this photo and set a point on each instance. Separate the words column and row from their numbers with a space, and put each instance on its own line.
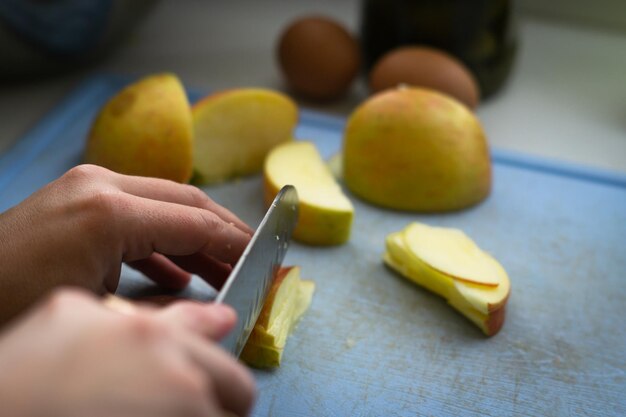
column 566, row 98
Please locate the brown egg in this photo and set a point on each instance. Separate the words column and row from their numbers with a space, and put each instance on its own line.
column 318, row 57
column 425, row 67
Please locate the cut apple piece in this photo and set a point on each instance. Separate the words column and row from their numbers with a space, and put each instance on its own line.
column 452, row 252
column 235, row 129
column 289, row 297
column 482, row 304
column 326, row 214
column 145, row 130
column 410, row 148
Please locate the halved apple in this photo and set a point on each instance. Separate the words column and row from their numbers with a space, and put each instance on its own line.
column 288, row 299
column 483, row 304
column 326, row 214
column 145, row 130
column 235, row 129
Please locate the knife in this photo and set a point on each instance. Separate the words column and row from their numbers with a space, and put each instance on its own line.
column 248, row 283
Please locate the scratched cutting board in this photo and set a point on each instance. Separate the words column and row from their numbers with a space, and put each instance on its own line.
column 372, row 344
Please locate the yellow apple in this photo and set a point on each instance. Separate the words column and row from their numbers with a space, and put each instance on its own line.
column 415, row 149
column 289, row 297
column 325, row 215
column 145, row 130
column 235, row 129
column 484, row 305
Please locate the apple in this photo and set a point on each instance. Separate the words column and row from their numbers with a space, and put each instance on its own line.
column 289, row 297
column 451, row 251
column 145, row 130
column 483, row 304
column 325, row 215
column 415, row 149
column 235, row 129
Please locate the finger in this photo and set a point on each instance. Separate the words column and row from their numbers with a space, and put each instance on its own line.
column 209, row 269
column 172, row 192
column 173, row 229
column 119, row 304
column 233, row 384
column 67, row 300
column 162, row 271
column 212, row 321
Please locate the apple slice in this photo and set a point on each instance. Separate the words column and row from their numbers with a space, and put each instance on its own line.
column 235, row 129
column 450, row 251
column 288, row 299
column 326, row 214
column 145, row 130
column 482, row 304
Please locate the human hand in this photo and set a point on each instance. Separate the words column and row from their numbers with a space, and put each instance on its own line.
column 79, row 229
column 73, row 357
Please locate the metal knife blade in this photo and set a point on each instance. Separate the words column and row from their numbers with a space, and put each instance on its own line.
column 247, row 285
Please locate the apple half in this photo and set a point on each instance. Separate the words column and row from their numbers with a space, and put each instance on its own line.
column 145, row 130
column 415, row 149
column 289, row 297
column 326, row 214
column 235, row 129
column 446, row 273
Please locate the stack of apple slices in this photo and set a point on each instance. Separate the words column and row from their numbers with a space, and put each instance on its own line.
column 289, row 297
column 448, row 263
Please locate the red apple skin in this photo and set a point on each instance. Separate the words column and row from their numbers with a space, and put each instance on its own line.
column 495, row 320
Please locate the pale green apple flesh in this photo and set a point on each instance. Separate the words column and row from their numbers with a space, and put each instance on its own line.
column 235, row 129
column 483, row 304
column 289, row 298
column 326, row 214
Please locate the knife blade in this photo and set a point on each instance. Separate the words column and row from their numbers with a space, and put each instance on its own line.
column 248, row 284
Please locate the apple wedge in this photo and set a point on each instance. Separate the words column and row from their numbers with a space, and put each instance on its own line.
column 326, row 214
column 145, row 130
column 288, row 299
column 235, row 129
column 484, row 305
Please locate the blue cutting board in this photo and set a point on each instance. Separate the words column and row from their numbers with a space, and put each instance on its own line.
column 373, row 344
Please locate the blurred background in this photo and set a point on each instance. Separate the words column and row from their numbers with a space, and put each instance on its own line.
column 563, row 97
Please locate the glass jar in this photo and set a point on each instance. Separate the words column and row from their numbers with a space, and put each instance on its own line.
column 481, row 33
